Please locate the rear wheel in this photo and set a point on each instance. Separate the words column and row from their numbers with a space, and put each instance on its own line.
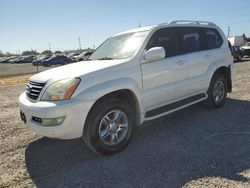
column 109, row 126
column 217, row 91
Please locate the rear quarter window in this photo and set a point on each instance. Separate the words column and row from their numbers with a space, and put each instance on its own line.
column 212, row 38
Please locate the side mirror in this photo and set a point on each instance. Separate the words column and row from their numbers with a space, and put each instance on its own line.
column 154, row 54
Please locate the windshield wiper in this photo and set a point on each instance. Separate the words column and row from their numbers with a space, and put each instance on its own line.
column 105, row 58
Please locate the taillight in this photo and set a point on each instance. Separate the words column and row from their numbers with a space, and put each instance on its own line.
column 231, row 48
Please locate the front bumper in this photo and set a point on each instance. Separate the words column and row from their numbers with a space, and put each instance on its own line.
column 74, row 110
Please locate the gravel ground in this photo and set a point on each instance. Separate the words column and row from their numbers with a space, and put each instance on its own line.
column 195, row 147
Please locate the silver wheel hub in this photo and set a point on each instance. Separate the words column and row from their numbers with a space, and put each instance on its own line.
column 113, row 127
column 219, row 91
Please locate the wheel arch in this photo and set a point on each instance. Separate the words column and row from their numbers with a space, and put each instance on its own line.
column 126, row 95
column 225, row 71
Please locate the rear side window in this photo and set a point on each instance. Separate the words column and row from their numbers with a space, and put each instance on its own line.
column 213, row 38
column 167, row 39
column 190, row 39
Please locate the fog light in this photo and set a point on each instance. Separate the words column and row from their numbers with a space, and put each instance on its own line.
column 52, row 121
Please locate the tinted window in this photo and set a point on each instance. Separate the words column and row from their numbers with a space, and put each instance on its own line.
column 190, row 39
column 212, row 38
column 167, row 39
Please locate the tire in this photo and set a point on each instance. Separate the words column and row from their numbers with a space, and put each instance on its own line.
column 216, row 98
column 239, row 58
column 101, row 126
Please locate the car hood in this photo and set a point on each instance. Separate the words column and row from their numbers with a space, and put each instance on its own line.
column 74, row 70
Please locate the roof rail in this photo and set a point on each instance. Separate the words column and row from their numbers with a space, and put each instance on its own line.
column 191, row 22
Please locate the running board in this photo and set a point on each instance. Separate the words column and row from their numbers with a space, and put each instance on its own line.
column 169, row 108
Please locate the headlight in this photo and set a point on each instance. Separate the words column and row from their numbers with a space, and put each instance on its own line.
column 61, row 90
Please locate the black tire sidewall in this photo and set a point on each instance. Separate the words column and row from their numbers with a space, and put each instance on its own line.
column 93, row 122
column 215, row 79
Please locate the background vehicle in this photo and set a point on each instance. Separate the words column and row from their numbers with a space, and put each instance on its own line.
column 55, row 60
column 135, row 76
column 72, row 56
column 7, row 59
column 27, row 59
column 16, row 60
column 39, row 60
column 236, row 40
column 237, row 53
column 84, row 55
column 246, row 49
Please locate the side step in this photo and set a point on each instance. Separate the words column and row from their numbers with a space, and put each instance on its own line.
column 163, row 110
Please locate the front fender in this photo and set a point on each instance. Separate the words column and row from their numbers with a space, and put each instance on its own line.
column 97, row 91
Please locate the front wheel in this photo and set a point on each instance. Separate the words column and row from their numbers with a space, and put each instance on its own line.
column 109, row 126
column 217, row 91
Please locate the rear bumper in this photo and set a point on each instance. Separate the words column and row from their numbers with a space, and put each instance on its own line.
column 233, row 69
column 74, row 111
column 232, row 75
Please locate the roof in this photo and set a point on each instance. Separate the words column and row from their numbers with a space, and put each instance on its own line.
column 171, row 23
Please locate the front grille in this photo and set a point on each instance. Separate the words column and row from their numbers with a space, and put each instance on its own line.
column 33, row 89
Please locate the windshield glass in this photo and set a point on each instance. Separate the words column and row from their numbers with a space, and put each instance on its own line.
column 119, row 47
column 248, row 44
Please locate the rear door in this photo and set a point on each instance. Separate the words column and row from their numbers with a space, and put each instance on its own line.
column 198, row 59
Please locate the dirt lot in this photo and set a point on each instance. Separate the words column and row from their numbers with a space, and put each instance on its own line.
column 196, row 147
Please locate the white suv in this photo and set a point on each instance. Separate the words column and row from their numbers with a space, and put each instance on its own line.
column 135, row 76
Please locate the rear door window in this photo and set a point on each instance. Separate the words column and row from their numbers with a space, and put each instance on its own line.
column 190, row 39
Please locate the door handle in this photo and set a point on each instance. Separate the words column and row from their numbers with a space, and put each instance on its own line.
column 181, row 62
column 207, row 56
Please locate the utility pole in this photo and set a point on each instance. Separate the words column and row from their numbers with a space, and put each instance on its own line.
column 49, row 47
column 228, row 31
column 79, row 40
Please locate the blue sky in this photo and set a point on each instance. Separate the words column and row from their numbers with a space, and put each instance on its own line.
column 33, row 24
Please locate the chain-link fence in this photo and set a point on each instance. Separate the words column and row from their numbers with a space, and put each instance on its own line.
column 7, row 69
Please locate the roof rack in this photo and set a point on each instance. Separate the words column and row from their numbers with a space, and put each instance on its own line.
column 191, row 22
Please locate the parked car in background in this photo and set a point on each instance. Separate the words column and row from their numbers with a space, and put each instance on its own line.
column 237, row 53
column 22, row 59
column 55, row 60
column 15, row 60
column 27, row 59
column 38, row 61
column 7, row 59
column 84, row 55
column 72, row 56
column 246, row 49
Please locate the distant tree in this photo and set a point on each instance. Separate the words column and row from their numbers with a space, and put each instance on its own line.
column 8, row 54
column 58, row 52
column 47, row 52
column 32, row 52
column 1, row 54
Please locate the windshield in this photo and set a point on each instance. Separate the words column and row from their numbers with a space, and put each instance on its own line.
column 119, row 47
column 248, row 44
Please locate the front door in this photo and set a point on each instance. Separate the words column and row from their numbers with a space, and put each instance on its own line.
column 162, row 79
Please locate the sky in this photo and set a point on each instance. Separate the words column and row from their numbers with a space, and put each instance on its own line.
column 58, row 24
